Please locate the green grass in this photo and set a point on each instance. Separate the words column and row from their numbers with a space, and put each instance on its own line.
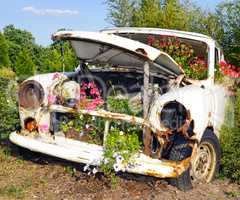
column 234, row 194
column 70, row 170
column 5, row 153
column 12, row 191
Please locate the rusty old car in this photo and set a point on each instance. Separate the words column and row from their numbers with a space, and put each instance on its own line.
column 180, row 117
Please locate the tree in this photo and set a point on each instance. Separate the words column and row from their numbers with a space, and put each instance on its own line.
column 173, row 15
column 148, row 14
column 229, row 18
column 24, row 64
column 52, row 60
column 4, row 58
column 17, row 40
column 120, row 12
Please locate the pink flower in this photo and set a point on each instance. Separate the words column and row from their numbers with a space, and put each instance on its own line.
column 43, row 128
column 150, row 40
column 90, row 95
column 91, row 85
column 94, row 91
column 51, row 99
column 229, row 70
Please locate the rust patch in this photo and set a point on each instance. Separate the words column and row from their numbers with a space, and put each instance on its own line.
column 155, row 173
column 142, row 52
column 178, row 168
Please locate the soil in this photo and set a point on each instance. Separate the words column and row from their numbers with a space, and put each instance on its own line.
column 27, row 175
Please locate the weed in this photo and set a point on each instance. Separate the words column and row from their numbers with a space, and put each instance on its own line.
column 70, row 170
column 12, row 191
column 4, row 153
column 234, row 194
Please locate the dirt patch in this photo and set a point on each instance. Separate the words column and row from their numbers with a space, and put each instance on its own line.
column 24, row 175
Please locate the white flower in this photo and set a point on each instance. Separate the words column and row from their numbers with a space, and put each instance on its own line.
column 87, row 126
column 116, row 167
column 119, row 159
column 106, row 161
column 115, row 154
column 89, row 173
column 86, row 167
column 93, row 118
column 81, row 133
column 121, row 133
column 94, row 171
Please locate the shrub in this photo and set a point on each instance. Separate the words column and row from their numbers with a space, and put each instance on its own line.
column 230, row 140
column 8, row 102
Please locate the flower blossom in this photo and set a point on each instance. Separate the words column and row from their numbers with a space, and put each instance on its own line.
column 229, row 70
column 51, row 99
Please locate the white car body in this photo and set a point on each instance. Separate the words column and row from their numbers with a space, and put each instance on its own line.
column 204, row 99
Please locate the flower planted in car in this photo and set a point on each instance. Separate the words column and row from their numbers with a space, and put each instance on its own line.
column 90, row 97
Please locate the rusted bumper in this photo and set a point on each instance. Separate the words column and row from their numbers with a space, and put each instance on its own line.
column 92, row 154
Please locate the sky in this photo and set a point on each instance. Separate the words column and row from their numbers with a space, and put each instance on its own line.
column 44, row 17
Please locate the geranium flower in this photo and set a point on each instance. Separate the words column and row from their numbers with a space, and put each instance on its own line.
column 229, row 70
column 51, row 99
column 150, row 40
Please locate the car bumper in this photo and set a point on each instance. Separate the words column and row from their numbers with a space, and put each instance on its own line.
column 91, row 154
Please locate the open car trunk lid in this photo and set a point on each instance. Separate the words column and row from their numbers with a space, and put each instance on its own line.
column 102, row 48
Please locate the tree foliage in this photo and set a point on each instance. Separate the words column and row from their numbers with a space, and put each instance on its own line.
column 17, row 40
column 229, row 19
column 19, row 51
column 8, row 102
column 25, row 66
column 147, row 14
column 120, row 12
column 4, row 58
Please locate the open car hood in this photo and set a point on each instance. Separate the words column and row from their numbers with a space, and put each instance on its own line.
column 103, row 48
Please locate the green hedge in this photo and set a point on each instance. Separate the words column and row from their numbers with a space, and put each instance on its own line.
column 9, row 118
column 230, row 140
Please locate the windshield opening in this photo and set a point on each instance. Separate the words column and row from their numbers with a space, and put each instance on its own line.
column 191, row 55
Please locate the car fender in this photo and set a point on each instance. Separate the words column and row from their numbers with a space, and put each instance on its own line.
column 198, row 100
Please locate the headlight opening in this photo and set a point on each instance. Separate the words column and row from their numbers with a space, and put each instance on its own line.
column 173, row 115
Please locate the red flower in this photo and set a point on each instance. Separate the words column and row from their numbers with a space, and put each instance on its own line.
column 229, row 70
column 150, row 40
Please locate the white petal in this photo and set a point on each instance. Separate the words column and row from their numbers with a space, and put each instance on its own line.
column 116, row 167
column 86, row 167
column 94, row 171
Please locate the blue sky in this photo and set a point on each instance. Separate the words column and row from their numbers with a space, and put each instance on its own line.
column 43, row 17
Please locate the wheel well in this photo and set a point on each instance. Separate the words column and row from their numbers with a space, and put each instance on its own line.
column 209, row 128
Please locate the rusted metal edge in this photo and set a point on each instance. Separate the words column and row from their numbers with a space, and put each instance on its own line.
column 104, row 114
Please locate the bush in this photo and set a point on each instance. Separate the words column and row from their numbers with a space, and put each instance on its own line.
column 8, row 102
column 230, row 140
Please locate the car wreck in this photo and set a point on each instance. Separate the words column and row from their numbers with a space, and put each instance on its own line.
column 179, row 117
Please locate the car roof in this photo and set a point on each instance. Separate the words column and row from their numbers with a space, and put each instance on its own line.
column 159, row 31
